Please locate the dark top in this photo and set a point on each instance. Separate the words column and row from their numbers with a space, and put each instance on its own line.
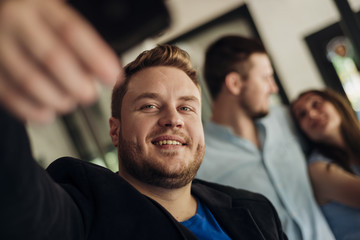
column 78, row 200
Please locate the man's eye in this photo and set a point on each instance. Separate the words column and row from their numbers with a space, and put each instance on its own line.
column 148, row 107
column 185, row 109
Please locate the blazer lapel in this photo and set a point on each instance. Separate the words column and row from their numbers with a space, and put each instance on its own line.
column 237, row 223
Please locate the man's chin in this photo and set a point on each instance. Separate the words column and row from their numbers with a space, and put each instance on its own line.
column 260, row 114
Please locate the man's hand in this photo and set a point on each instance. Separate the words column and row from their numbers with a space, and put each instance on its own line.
column 50, row 59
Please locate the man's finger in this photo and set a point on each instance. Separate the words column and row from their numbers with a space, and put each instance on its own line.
column 17, row 103
column 81, row 37
column 22, row 73
column 53, row 55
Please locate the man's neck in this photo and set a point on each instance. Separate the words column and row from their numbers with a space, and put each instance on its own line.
column 239, row 121
column 178, row 202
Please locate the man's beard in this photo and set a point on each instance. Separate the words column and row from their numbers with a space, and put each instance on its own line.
column 153, row 173
column 259, row 114
column 252, row 113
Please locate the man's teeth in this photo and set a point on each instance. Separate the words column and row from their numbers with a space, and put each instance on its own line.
column 168, row 142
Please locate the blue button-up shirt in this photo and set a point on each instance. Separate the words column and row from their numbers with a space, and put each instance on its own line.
column 277, row 170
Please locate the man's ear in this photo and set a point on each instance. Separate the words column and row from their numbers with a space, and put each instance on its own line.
column 114, row 130
column 233, row 83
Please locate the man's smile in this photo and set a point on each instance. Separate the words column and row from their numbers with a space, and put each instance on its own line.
column 168, row 140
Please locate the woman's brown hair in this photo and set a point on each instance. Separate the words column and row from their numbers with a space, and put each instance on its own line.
column 350, row 128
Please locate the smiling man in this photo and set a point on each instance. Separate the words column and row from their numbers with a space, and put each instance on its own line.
column 163, row 116
column 156, row 127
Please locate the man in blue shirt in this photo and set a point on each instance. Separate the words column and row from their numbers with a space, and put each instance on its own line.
column 246, row 147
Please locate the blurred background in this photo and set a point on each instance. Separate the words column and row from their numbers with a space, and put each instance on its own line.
column 306, row 40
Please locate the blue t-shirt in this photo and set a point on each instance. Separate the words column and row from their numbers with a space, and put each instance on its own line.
column 204, row 225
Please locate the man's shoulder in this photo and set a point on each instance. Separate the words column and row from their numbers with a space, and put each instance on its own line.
column 71, row 169
column 71, row 163
column 216, row 131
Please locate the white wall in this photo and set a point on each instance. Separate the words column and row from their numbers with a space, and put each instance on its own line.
column 282, row 25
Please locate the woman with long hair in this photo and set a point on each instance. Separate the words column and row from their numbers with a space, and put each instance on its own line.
column 333, row 130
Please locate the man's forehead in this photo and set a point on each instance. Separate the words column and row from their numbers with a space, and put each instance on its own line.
column 260, row 59
column 259, row 55
column 161, row 80
column 158, row 74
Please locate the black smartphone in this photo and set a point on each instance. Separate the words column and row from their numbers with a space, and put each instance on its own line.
column 124, row 23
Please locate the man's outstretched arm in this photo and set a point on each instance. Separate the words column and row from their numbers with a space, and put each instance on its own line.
column 32, row 206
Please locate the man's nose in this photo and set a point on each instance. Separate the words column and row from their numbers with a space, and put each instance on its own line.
column 273, row 86
column 171, row 118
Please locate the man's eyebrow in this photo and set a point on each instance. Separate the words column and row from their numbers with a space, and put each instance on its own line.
column 190, row 98
column 157, row 96
column 147, row 95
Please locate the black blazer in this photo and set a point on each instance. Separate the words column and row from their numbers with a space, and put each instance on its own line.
column 78, row 200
